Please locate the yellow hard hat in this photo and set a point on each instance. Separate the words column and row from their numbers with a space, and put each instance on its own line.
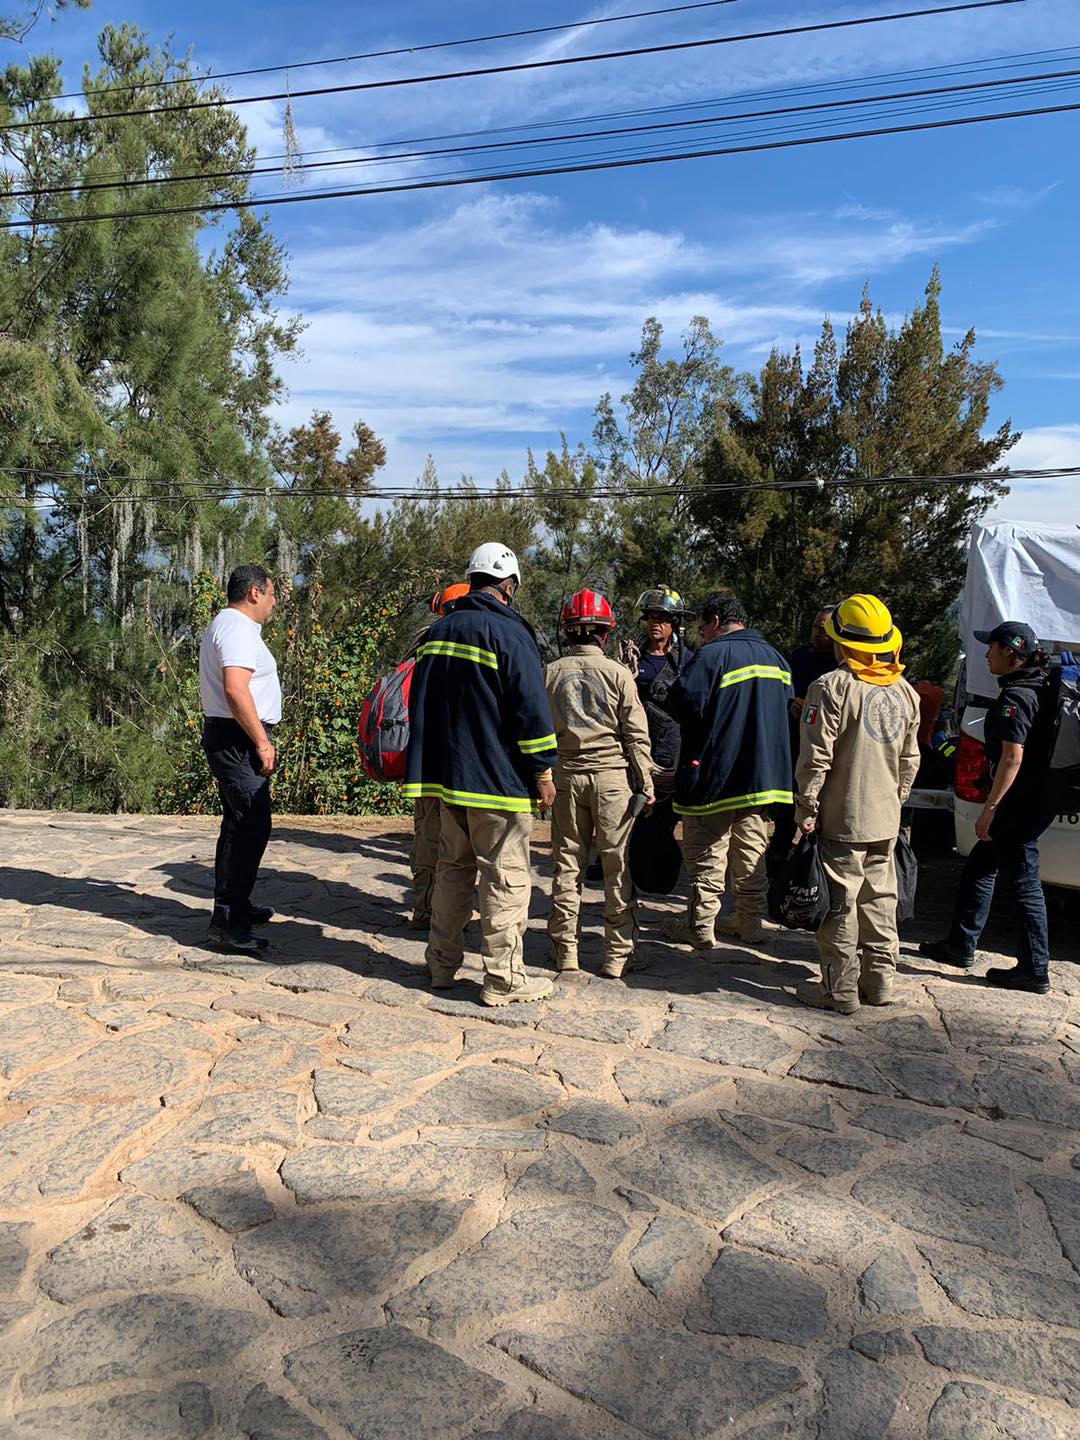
column 862, row 622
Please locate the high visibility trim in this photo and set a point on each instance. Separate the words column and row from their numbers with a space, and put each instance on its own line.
column 458, row 652
column 754, row 672
column 511, row 804
column 536, row 747
column 738, row 802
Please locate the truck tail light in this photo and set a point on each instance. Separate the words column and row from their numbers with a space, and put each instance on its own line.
column 970, row 778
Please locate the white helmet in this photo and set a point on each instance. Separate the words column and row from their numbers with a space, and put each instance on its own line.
column 495, row 560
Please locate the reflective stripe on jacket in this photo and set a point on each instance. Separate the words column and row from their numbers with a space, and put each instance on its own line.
column 480, row 723
column 732, row 703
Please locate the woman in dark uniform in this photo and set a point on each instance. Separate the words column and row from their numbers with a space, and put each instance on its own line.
column 1017, row 733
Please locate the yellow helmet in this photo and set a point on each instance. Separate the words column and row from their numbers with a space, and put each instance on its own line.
column 862, row 622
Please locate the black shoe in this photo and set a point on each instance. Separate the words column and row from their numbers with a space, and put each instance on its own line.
column 945, row 953
column 235, row 942
column 260, row 915
column 1014, row 978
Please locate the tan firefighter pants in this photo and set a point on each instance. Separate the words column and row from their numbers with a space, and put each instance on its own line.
column 591, row 808
column 858, row 941
column 424, row 856
column 708, row 841
column 485, row 850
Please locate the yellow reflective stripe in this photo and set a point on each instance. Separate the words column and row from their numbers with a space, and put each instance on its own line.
column 533, row 747
column 738, row 802
column 458, row 652
column 755, row 672
column 514, row 804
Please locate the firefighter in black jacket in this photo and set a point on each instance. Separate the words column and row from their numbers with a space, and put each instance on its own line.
column 482, row 743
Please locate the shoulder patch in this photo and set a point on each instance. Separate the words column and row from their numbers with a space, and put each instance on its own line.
column 809, row 714
column 1009, row 712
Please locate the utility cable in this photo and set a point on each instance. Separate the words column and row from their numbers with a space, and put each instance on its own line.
column 518, row 68
column 537, row 172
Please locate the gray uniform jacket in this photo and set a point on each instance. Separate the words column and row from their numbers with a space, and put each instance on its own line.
column 599, row 720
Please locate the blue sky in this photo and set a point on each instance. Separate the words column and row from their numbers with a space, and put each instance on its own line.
column 472, row 324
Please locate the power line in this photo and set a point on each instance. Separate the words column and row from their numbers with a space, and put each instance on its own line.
column 401, row 50
column 526, row 65
column 538, row 142
column 537, row 171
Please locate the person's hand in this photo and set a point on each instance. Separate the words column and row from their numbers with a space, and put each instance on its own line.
column 545, row 789
column 650, row 801
column 806, row 827
column 267, row 758
column 796, row 708
column 985, row 820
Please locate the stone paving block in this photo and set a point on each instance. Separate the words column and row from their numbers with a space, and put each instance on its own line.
column 666, row 1383
column 117, row 1016
column 408, row 1172
column 133, row 1244
column 610, row 1025
column 977, row 1020
column 983, row 1288
column 153, row 950
column 534, row 1256
column 182, row 1412
column 1019, row 1095
column 747, row 1295
column 655, row 1082
column 879, row 1345
column 698, row 1167
column 316, row 975
column 515, row 1016
column 578, row 1069
column 377, row 1030
column 859, row 1398
column 302, row 1264
column 37, row 1034
column 669, row 1242
column 889, row 1286
column 492, row 1040
column 1049, row 1367
column 10, row 1311
column 555, row 1174
column 397, row 1071
column 267, row 1416
column 898, row 1123
column 971, row 1412
column 13, row 1254
column 825, row 1155
column 484, row 1137
column 322, row 1010
column 387, row 1383
column 808, row 1224
column 117, row 1069
column 837, row 1067
column 1032, row 1141
column 794, row 1105
column 908, row 1033
column 929, row 1079
column 234, row 1202
column 342, row 1092
column 482, row 1094
column 259, row 1063
column 597, row 1121
column 530, row 1425
column 24, row 990
column 167, row 1173
column 970, row 1201
column 723, row 1042
column 53, row 1150
column 157, row 985
column 1062, row 1201
column 142, row 1338
column 242, row 1118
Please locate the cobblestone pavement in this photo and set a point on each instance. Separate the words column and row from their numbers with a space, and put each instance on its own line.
column 304, row 1198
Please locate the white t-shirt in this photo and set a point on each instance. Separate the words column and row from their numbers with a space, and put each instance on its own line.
column 232, row 639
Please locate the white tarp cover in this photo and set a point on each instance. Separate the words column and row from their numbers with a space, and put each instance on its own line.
column 1019, row 571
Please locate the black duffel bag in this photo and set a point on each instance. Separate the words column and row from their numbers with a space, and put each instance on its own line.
column 907, row 878
column 653, row 856
column 799, row 888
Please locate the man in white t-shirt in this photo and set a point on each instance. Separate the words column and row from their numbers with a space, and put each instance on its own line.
column 241, row 702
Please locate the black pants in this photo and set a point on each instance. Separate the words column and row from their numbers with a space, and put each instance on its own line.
column 245, row 823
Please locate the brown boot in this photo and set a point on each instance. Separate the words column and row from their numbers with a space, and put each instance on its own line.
column 820, row 999
column 564, row 960
column 680, row 932
column 523, row 988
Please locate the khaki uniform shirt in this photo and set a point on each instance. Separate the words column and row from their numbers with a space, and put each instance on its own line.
column 858, row 756
column 599, row 720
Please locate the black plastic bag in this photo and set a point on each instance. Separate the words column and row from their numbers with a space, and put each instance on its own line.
column 907, row 878
column 799, row 888
column 653, row 856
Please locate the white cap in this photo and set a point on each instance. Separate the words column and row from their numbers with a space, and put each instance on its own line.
column 495, row 560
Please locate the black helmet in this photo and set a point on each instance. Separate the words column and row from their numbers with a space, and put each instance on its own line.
column 660, row 597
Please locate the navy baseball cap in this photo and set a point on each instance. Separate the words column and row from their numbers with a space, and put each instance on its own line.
column 1014, row 635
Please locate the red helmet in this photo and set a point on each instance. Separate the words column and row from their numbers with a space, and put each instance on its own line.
column 587, row 607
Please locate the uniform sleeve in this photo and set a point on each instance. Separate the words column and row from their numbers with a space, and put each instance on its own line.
column 528, row 712
column 1017, row 711
column 910, row 757
column 818, row 729
column 634, row 730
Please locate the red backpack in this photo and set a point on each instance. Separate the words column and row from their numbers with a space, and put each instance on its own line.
column 384, row 724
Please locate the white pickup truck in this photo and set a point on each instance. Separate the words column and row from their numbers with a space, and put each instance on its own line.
column 1015, row 571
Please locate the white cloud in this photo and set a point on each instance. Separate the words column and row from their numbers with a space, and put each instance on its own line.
column 1051, row 500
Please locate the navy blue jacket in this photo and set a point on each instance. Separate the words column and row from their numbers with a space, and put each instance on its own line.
column 732, row 703
column 480, row 727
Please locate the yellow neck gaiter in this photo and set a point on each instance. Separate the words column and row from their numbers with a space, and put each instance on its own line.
column 873, row 669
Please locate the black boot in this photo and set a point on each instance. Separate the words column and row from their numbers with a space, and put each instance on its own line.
column 1013, row 978
column 946, row 953
column 238, row 938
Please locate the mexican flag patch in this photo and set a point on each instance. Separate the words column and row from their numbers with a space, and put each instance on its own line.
column 1008, row 712
column 809, row 715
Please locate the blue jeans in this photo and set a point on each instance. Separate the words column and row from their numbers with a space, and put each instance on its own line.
column 1012, row 852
